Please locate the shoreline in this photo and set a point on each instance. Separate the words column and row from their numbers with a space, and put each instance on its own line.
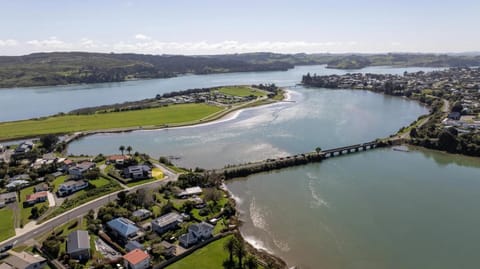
column 217, row 117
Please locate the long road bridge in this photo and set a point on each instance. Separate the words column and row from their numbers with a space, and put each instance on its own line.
column 295, row 160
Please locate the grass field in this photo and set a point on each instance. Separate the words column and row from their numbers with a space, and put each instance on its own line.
column 6, row 224
column 208, row 257
column 241, row 91
column 173, row 114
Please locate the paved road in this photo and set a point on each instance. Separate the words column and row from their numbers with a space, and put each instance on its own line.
column 83, row 209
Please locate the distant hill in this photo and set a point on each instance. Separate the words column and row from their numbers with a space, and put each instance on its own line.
column 60, row 68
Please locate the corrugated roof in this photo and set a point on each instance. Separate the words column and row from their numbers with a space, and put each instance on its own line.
column 78, row 240
column 123, row 226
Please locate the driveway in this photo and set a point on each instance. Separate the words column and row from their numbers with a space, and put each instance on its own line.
column 51, row 199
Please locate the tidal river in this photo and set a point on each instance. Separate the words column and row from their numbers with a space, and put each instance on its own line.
column 377, row 209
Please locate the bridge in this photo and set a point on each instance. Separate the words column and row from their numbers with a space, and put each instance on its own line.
column 349, row 149
column 246, row 169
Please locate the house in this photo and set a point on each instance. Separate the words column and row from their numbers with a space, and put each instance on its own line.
column 136, row 259
column 454, row 116
column 138, row 172
column 25, row 177
column 78, row 170
column 22, row 150
column 40, row 187
column 131, row 245
column 71, row 186
column 123, row 229
column 166, row 222
column 190, row 191
column 169, row 250
column 78, row 245
column 196, row 233
column 9, row 197
column 24, row 260
column 117, row 159
column 13, row 185
column 35, row 198
column 141, row 214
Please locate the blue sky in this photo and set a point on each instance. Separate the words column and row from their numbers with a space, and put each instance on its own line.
column 211, row 27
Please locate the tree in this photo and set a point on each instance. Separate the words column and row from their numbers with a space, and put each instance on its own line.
column 48, row 141
column 318, row 149
column 34, row 212
column 251, row 262
column 122, row 148
column 457, row 107
column 230, row 247
column 240, row 252
column 129, row 149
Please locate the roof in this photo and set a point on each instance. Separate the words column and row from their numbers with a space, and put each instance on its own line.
column 78, row 240
column 138, row 168
column 191, row 191
column 85, row 165
column 23, row 259
column 5, row 266
column 8, row 195
column 72, row 183
column 123, row 226
column 141, row 212
column 35, row 196
column 118, row 157
column 40, row 187
column 201, row 226
column 131, row 245
column 167, row 219
column 16, row 183
column 136, row 256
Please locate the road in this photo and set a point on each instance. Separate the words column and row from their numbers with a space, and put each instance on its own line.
column 83, row 209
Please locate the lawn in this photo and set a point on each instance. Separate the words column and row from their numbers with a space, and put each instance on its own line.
column 241, row 91
column 208, row 257
column 99, row 182
column 6, row 224
column 25, row 212
column 173, row 114
column 157, row 173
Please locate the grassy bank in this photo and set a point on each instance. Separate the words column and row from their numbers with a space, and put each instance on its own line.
column 242, row 91
column 6, row 224
column 211, row 256
column 174, row 114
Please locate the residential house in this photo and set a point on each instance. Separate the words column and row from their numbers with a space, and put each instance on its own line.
column 166, row 222
column 117, row 159
column 13, row 185
column 141, row 214
column 35, row 198
column 122, row 229
column 40, row 187
column 7, row 198
column 22, row 150
column 196, row 233
column 78, row 170
column 190, row 192
column 71, row 186
column 24, row 260
column 454, row 115
column 169, row 250
column 131, row 245
column 136, row 172
column 136, row 259
column 78, row 245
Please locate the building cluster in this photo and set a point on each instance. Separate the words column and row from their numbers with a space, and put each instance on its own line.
column 214, row 97
column 455, row 84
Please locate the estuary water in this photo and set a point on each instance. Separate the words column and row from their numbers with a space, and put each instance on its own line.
column 25, row 103
column 375, row 209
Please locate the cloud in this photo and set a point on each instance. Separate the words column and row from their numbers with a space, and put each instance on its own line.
column 50, row 43
column 8, row 43
column 142, row 37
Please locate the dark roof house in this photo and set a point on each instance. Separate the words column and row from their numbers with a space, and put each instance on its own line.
column 78, row 245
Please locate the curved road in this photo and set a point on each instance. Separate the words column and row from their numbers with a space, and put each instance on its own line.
column 83, row 209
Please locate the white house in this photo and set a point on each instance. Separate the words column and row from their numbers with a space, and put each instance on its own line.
column 71, row 186
column 196, row 233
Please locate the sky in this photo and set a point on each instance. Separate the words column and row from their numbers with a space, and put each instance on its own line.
column 216, row 27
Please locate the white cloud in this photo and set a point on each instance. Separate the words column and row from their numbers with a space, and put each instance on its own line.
column 50, row 43
column 8, row 43
column 142, row 37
